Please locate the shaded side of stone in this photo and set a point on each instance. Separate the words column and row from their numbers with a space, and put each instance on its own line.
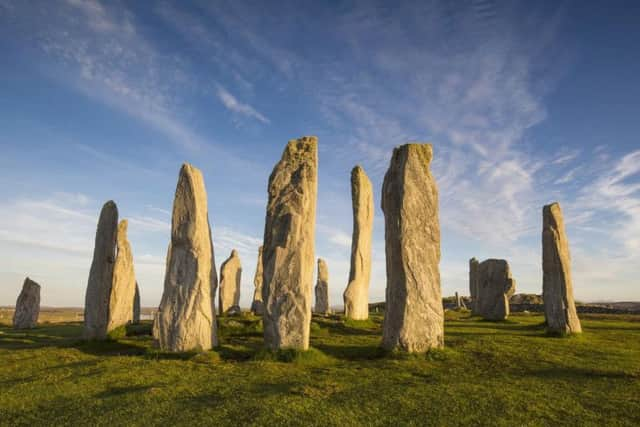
column 27, row 309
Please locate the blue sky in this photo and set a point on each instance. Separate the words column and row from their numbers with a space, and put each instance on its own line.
column 525, row 103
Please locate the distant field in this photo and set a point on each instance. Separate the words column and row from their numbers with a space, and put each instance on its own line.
column 57, row 314
column 491, row 373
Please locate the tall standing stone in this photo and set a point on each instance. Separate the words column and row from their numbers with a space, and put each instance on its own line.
column 557, row 287
column 494, row 286
column 230, row 277
column 356, row 295
column 96, row 305
column 123, row 288
column 414, row 316
column 186, row 318
column 289, row 245
column 322, row 289
column 27, row 306
column 136, row 305
column 257, row 307
column 473, row 283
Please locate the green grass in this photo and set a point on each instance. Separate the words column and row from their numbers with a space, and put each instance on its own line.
column 490, row 373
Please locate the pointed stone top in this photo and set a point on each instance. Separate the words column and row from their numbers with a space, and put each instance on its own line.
column 30, row 283
column 424, row 150
column 300, row 146
column 234, row 253
column 122, row 226
column 552, row 215
column 260, row 249
column 321, row 261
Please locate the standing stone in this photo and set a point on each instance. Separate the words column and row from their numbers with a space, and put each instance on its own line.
column 322, row 289
column 289, row 244
column 557, row 288
column 96, row 305
column 123, row 288
column 230, row 276
column 356, row 296
column 494, row 286
column 27, row 306
column 186, row 318
column 136, row 305
column 257, row 307
column 414, row 317
column 473, row 284
column 460, row 302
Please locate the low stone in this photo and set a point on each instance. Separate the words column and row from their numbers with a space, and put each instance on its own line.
column 230, row 278
column 27, row 306
column 493, row 288
column 136, row 305
column 322, row 289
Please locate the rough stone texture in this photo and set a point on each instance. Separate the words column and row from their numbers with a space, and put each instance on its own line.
column 27, row 306
column 494, row 286
column 356, row 296
column 96, row 305
column 123, row 288
column 557, row 288
column 460, row 302
column 473, row 283
column 322, row 289
column 136, row 305
column 186, row 317
column 414, row 317
column 229, row 291
column 257, row 307
column 289, row 244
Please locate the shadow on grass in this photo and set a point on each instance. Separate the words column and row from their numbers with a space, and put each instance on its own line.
column 119, row 391
column 570, row 373
column 352, row 352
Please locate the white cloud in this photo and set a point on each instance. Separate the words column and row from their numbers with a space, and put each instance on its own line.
column 232, row 104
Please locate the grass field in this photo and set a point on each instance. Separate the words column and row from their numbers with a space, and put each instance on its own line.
column 506, row 373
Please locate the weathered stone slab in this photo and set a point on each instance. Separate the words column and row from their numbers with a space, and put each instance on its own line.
column 257, row 307
column 289, row 244
column 557, row 287
column 186, row 318
column 27, row 306
column 230, row 278
column 322, row 289
column 123, row 288
column 96, row 306
column 493, row 287
column 356, row 295
column 414, row 317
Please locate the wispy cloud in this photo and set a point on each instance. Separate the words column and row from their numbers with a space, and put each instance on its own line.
column 232, row 104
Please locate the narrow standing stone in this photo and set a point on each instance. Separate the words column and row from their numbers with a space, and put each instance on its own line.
column 123, row 288
column 557, row 287
column 322, row 289
column 136, row 305
column 473, row 284
column 494, row 288
column 414, row 316
column 230, row 277
column 96, row 306
column 257, row 307
column 27, row 306
column 289, row 244
column 356, row 296
column 186, row 318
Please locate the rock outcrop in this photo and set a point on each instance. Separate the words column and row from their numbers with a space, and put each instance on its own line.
column 289, row 245
column 96, row 305
column 27, row 306
column 186, row 317
column 322, row 289
column 356, row 295
column 414, row 316
column 493, row 287
column 136, row 305
column 257, row 307
column 557, row 287
column 229, row 290
column 123, row 287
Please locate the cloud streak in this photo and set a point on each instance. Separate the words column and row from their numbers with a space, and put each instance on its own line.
column 232, row 104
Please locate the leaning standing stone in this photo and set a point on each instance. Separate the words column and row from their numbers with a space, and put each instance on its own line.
column 186, row 319
column 356, row 296
column 557, row 288
column 289, row 244
column 27, row 306
column 494, row 288
column 123, row 288
column 322, row 289
column 230, row 277
column 414, row 316
column 96, row 306
column 257, row 306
